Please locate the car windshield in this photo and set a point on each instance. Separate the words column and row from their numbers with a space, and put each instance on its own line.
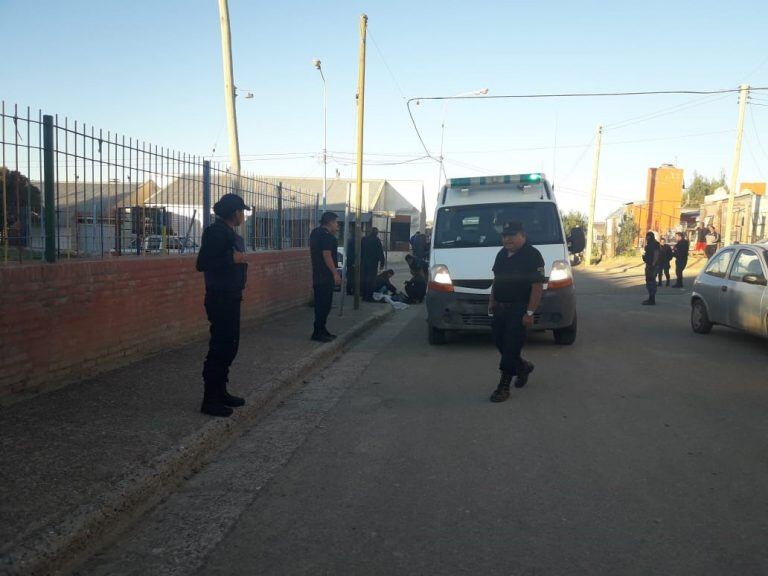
column 481, row 225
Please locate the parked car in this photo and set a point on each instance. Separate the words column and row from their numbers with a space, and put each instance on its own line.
column 732, row 290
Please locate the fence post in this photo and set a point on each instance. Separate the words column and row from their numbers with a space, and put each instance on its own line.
column 279, row 242
column 49, row 189
column 206, row 193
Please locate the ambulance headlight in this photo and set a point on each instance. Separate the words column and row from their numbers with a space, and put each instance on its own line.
column 561, row 275
column 440, row 279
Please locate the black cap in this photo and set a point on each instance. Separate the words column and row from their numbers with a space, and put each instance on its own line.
column 512, row 228
column 228, row 205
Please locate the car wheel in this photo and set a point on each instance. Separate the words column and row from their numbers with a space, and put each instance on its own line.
column 699, row 318
column 565, row 336
column 437, row 337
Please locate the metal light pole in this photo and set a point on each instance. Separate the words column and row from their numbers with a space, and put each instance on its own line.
column 319, row 67
column 481, row 92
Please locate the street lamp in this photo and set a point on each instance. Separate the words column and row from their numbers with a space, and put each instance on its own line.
column 319, row 67
column 481, row 92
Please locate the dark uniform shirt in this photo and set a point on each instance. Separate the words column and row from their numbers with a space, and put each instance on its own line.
column 681, row 250
column 216, row 259
column 514, row 275
column 320, row 240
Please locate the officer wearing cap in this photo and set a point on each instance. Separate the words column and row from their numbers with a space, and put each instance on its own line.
column 323, row 249
column 518, row 283
column 222, row 260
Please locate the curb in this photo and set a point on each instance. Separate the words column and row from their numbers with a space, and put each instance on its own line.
column 57, row 547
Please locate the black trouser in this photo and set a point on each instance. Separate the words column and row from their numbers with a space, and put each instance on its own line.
column 664, row 269
column 223, row 312
column 509, row 335
column 323, row 303
column 710, row 250
column 415, row 293
column 368, row 281
column 350, row 280
column 679, row 267
column 650, row 282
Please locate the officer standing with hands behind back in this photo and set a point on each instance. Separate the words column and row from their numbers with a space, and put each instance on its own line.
column 222, row 259
column 518, row 284
column 323, row 249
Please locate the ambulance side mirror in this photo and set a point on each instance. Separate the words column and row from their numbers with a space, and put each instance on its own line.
column 576, row 241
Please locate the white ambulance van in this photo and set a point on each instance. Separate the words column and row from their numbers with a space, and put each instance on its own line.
column 466, row 237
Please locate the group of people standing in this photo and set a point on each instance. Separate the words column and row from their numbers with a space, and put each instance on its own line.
column 658, row 256
column 707, row 240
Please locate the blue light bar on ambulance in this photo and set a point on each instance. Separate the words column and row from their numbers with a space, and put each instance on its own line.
column 494, row 180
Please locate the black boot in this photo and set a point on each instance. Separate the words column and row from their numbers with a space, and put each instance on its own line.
column 649, row 302
column 523, row 373
column 228, row 400
column 502, row 390
column 212, row 401
column 667, row 283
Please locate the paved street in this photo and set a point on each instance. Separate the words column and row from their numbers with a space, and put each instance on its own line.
column 642, row 449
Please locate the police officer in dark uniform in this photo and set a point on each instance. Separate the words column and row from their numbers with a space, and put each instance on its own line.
column 518, row 283
column 222, row 259
column 681, row 249
column 652, row 259
column 371, row 261
column 323, row 248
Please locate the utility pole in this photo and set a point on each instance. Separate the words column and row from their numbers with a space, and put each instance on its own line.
column 593, row 197
column 360, row 117
column 423, row 219
column 727, row 237
column 319, row 67
column 229, row 88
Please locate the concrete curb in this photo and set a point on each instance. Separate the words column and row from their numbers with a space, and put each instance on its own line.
column 57, row 547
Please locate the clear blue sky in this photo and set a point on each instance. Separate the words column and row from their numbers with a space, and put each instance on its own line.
column 153, row 70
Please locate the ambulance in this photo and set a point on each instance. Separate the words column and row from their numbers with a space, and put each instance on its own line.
column 466, row 237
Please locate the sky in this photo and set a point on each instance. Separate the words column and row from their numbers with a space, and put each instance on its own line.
column 152, row 69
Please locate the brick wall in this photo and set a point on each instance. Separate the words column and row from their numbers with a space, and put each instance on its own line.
column 69, row 320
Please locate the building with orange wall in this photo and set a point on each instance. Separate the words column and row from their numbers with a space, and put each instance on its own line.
column 663, row 201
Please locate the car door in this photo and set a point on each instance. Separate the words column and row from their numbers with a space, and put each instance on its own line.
column 745, row 298
column 713, row 285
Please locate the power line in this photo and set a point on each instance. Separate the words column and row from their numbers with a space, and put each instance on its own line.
column 386, row 65
column 561, row 95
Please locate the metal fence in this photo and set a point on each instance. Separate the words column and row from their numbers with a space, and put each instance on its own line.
column 68, row 190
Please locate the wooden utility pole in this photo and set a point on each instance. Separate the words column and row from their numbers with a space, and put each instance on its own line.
column 229, row 88
column 593, row 198
column 360, row 117
column 727, row 236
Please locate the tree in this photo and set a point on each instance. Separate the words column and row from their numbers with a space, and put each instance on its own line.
column 22, row 200
column 628, row 229
column 701, row 187
column 574, row 219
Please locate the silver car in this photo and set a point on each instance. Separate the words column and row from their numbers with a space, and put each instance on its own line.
column 732, row 291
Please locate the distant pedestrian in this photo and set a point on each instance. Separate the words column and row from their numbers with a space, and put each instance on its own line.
column 323, row 249
column 681, row 257
column 665, row 257
column 701, row 238
column 713, row 239
column 651, row 257
column 371, row 261
column 349, row 257
column 518, row 284
column 222, row 260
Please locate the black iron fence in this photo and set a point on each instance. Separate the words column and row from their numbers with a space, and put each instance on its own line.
column 68, row 190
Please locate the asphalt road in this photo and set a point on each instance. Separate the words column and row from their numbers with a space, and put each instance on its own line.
column 640, row 450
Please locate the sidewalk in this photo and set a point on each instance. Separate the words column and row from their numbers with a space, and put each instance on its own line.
column 78, row 461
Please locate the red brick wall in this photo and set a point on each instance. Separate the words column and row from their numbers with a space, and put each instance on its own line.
column 69, row 320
